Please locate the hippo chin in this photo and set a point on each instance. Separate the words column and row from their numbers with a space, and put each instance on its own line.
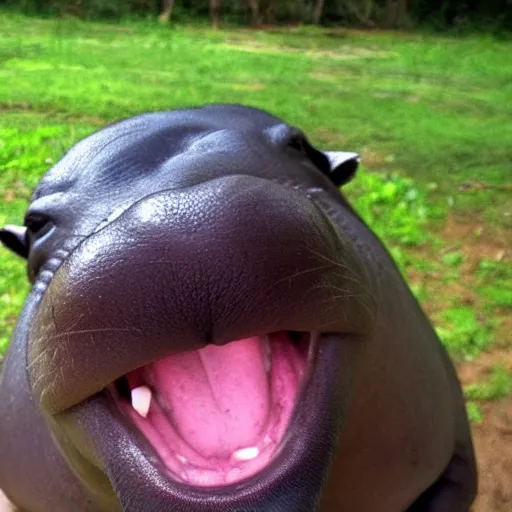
column 212, row 328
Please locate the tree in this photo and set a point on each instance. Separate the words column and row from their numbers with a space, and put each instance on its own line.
column 362, row 12
column 254, row 6
column 166, row 13
column 215, row 13
column 317, row 12
column 397, row 14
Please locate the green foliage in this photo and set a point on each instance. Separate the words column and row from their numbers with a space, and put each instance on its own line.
column 495, row 281
column 26, row 154
column 23, row 157
column 463, row 333
column 465, row 14
column 474, row 412
column 453, row 258
column 497, row 386
column 13, row 289
column 395, row 205
column 89, row 9
column 498, row 294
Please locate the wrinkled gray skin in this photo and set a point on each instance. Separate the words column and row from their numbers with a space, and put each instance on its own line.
column 168, row 231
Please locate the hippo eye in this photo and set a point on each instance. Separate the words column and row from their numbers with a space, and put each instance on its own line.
column 297, row 142
column 37, row 224
column 39, row 229
column 300, row 143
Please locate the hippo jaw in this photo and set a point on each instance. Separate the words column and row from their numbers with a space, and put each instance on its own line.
column 290, row 476
column 218, row 415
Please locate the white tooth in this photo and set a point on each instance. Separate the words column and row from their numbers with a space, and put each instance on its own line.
column 141, row 400
column 246, row 453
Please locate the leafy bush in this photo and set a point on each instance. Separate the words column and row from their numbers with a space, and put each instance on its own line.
column 392, row 205
column 474, row 412
column 496, row 281
column 461, row 15
column 101, row 9
column 462, row 332
column 498, row 385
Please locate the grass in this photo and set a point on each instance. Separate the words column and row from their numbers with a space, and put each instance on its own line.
column 438, row 108
column 29, row 144
column 430, row 116
column 498, row 385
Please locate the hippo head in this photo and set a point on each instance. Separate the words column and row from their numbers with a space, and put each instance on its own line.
column 200, row 301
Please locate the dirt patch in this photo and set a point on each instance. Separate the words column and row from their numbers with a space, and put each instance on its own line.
column 343, row 53
column 474, row 371
column 248, row 87
column 493, row 445
column 493, row 437
column 330, row 77
column 329, row 138
column 372, row 159
column 53, row 115
column 479, row 242
column 476, row 242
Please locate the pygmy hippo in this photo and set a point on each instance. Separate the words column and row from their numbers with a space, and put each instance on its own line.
column 212, row 327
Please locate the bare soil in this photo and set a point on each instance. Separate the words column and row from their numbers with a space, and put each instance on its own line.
column 493, row 437
column 493, row 445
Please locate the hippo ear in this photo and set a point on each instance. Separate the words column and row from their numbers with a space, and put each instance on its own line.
column 343, row 166
column 14, row 238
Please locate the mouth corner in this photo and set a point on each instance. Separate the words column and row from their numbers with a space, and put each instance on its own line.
column 220, row 415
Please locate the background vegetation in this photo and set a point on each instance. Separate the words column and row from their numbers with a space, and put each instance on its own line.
column 439, row 14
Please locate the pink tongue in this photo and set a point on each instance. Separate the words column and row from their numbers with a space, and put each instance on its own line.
column 217, row 398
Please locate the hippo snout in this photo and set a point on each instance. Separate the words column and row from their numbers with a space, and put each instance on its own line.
column 180, row 269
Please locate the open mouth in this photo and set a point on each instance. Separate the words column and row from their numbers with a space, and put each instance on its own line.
column 219, row 415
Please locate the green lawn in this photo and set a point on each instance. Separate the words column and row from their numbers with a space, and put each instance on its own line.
column 431, row 117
